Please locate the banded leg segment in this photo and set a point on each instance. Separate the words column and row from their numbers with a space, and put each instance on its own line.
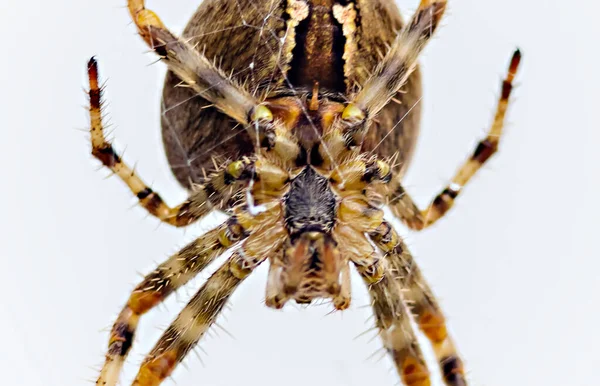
column 201, row 312
column 402, row 204
column 395, row 329
column 425, row 309
column 191, row 324
column 158, row 285
column 213, row 194
column 191, row 67
column 400, row 61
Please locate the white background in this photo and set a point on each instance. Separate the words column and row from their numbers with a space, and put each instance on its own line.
column 515, row 264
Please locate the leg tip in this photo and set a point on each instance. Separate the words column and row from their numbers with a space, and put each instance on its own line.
column 514, row 62
column 275, row 302
column 517, row 52
column 341, row 303
column 92, row 68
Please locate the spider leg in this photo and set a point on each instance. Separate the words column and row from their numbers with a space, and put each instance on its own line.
column 158, row 285
column 202, row 310
column 213, row 194
column 425, row 309
column 393, row 320
column 356, row 218
column 190, row 325
column 400, row 61
column 402, row 204
column 192, row 67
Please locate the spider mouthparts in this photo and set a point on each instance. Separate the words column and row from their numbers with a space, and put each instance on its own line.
column 311, row 269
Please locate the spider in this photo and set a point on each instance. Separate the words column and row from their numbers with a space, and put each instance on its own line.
column 314, row 116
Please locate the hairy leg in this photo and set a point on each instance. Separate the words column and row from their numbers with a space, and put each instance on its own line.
column 394, row 70
column 393, row 320
column 402, row 204
column 191, row 324
column 219, row 187
column 426, row 310
column 201, row 312
column 157, row 286
column 193, row 68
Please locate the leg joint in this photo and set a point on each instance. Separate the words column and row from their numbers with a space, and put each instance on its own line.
column 232, row 232
column 453, row 371
column 107, row 155
column 372, row 273
column 485, row 149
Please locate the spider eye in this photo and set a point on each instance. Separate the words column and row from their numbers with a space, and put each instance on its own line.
column 261, row 113
column 352, row 113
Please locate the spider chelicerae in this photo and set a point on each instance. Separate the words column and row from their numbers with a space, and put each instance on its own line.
column 312, row 109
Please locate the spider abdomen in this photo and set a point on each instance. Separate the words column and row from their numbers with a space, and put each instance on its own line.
column 300, row 42
column 319, row 49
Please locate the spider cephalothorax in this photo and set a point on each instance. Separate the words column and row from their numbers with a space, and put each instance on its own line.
column 318, row 122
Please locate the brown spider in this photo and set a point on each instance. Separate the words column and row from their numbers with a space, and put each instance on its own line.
column 323, row 116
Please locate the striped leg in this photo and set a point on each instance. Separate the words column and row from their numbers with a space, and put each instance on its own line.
column 214, row 193
column 402, row 204
column 158, row 285
column 194, row 69
column 399, row 63
column 191, row 324
column 393, row 320
column 201, row 312
column 425, row 308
